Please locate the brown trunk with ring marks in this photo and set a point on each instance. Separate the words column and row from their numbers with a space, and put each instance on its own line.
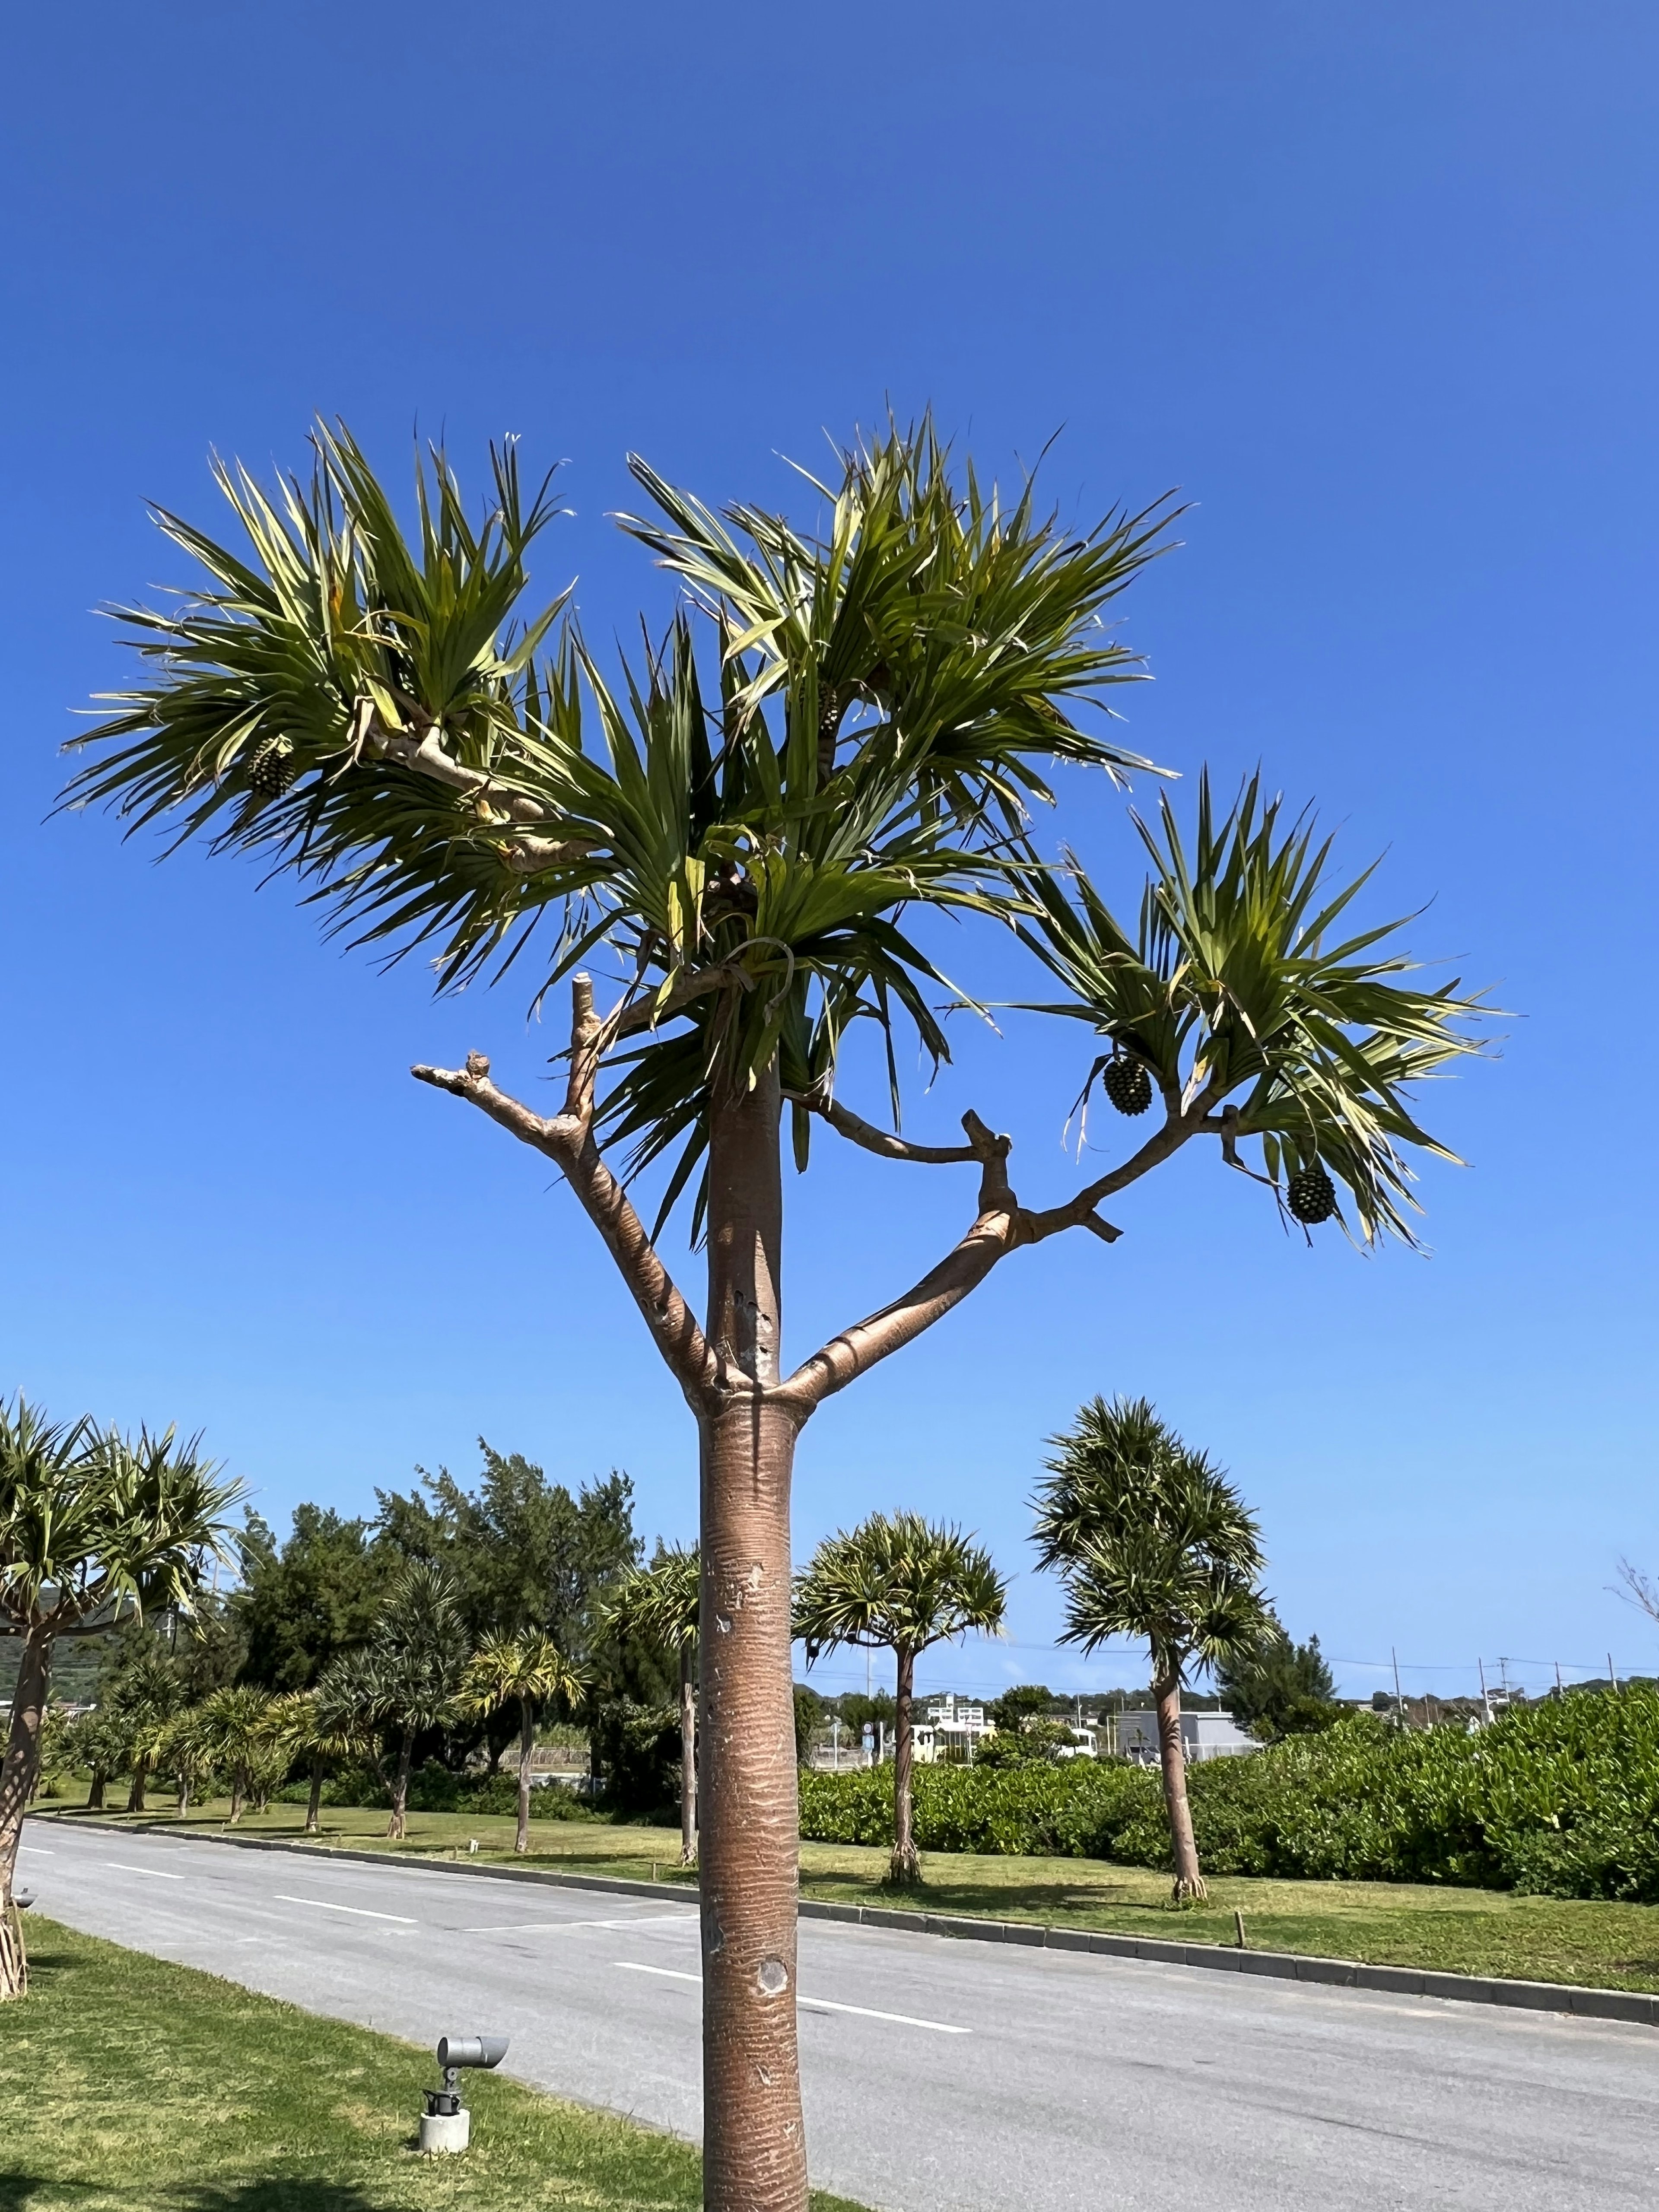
column 688, row 1756
column 397, row 1826
column 314, row 1803
column 905, row 1866
column 1188, row 1882
column 135, row 1793
column 17, row 1779
column 754, row 2144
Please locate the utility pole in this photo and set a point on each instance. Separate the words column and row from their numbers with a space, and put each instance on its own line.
column 1559, row 1692
column 1486, row 1702
column 1611, row 1676
column 1399, row 1702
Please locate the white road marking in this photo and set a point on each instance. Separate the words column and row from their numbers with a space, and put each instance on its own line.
column 360, row 1912
column 35, row 1852
column 156, row 1871
column 530, row 1927
column 812, row 2004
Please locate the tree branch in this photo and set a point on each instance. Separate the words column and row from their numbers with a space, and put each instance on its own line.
column 425, row 755
column 1000, row 1226
column 566, row 1138
column 882, row 1142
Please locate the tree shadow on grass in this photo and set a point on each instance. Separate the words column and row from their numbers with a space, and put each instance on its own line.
column 291, row 2196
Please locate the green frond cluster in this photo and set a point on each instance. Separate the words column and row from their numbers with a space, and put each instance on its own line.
column 1237, row 986
column 528, row 1669
column 884, row 703
column 1150, row 1539
column 899, row 1583
column 660, row 1603
column 97, row 1526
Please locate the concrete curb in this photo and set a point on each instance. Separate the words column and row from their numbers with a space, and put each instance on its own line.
column 1634, row 2006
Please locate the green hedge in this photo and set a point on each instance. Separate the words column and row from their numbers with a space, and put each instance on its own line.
column 1560, row 1799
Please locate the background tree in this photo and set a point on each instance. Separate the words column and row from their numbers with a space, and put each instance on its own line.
column 184, row 1752
column 1150, row 1540
column 321, row 1730
column 812, row 1713
column 96, row 1740
column 407, row 1678
column 752, row 849
column 93, row 1526
column 526, row 1556
column 659, row 1605
column 316, row 1595
column 1278, row 1687
column 1034, row 1743
column 141, row 1694
column 898, row 1584
column 238, row 1731
column 527, row 1671
column 1026, row 1701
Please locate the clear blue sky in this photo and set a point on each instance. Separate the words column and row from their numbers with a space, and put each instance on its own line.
column 1374, row 288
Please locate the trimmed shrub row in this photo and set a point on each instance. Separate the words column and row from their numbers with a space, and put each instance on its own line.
column 1559, row 1799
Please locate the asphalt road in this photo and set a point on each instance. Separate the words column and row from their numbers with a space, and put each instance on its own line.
column 940, row 2076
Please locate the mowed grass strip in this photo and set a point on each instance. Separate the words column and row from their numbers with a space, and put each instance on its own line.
column 130, row 2085
column 1463, row 1931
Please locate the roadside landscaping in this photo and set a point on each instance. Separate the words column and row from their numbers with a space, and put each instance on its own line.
column 127, row 2082
column 1456, row 1930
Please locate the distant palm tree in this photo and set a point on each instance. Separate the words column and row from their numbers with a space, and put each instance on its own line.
column 526, row 1671
column 95, row 1527
column 660, row 1604
column 1152, row 1541
column 237, row 1730
column 322, row 1728
column 407, row 1678
column 900, row 1585
column 181, row 1748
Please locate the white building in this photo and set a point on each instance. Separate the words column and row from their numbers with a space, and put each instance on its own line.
column 1203, row 1735
column 951, row 1731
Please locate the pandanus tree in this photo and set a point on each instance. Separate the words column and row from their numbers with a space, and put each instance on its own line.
column 528, row 1671
column 748, row 836
column 1150, row 1540
column 901, row 1584
column 321, row 1728
column 659, row 1604
column 241, row 1731
column 95, row 1527
column 406, row 1679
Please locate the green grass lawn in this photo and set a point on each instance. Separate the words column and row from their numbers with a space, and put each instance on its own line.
column 128, row 2085
column 1471, row 1932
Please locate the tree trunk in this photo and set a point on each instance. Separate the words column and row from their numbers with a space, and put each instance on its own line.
column 235, row 1795
column 905, row 1866
column 181, row 1804
column 17, row 1779
column 526, row 1746
column 754, row 2144
column 96, row 1791
column 397, row 1826
column 1188, row 1882
column 136, row 1794
column 688, row 1757
column 314, row 1803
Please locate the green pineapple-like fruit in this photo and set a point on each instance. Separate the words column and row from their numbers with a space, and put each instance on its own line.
column 1311, row 1196
column 272, row 768
column 1127, row 1084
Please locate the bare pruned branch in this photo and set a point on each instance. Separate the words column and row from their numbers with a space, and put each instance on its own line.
column 568, row 1139
column 882, row 1142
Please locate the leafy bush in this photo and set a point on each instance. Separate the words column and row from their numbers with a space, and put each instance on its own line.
column 1561, row 1799
column 439, row 1789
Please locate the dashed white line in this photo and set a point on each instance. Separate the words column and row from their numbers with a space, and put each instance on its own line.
column 810, row 2004
column 35, row 1852
column 358, row 1911
column 156, row 1873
